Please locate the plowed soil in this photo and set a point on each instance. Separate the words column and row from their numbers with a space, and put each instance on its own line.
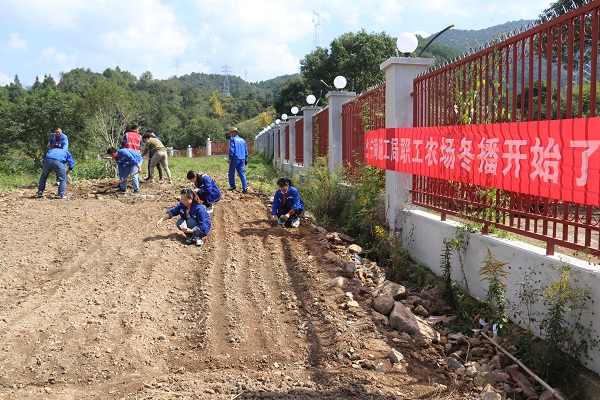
column 98, row 303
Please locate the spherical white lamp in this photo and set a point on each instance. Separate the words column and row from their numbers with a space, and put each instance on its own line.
column 311, row 99
column 407, row 43
column 273, row 124
column 284, row 117
column 339, row 82
column 294, row 110
column 277, row 121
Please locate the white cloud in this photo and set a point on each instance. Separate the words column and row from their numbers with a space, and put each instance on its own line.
column 473, row 8
column 265, row 37
column 4, row 79
column 50, row 54
column 51, row 15
column 15, row 42
column 423, row 34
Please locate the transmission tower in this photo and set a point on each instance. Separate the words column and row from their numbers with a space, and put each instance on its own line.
column 316, row 20
column 226, row 71
column 177, row 66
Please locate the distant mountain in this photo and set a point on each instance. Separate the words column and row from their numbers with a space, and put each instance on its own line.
column 464, row 40
column 215, row 82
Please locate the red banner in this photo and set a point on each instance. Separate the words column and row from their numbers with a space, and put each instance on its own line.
column 558, row 159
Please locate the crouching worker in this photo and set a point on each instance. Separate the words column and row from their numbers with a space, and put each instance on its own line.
column 206, row 189
column 287, row 204
column 193, row 220
column 61, row 162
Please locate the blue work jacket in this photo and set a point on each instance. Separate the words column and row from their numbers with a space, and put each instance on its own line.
column 205, row 184
column 63, row 142
column 237, row 148
column 197, row 212
column 128, row 157
column 293, row 200
column 61, row 155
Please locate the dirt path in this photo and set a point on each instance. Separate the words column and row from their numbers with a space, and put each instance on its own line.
column 97, row 303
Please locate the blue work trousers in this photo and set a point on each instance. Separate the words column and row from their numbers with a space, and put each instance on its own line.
column 124, row 172
column 238, row 165
column 60, row 169
column 191, row 223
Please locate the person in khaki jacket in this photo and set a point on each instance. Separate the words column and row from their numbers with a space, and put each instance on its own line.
column 159, row 155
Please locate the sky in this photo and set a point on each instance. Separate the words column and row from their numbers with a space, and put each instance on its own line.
column 254, row 39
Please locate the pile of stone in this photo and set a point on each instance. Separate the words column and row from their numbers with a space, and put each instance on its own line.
column 471, row 359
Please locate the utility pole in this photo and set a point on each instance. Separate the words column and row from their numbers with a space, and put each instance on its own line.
column 226, row 71
column 316, row 20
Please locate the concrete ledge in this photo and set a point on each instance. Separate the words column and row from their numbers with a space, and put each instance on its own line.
column 423, row 234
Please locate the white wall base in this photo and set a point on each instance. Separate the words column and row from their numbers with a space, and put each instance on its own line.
column 423, row 234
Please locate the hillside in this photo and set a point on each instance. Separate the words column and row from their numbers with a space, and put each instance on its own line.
column 463, row 40
column 214, row 82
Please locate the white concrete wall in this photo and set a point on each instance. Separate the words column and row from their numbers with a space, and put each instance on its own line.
column 423, row 234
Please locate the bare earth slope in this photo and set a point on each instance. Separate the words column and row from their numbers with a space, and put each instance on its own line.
column 97, row 303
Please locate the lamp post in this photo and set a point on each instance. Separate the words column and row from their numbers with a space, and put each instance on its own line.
column 308, row 112
column 283, row 145
column 336, row 99
column 407, row 43
column 340, row 82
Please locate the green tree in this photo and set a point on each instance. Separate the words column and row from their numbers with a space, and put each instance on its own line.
column 561, row 7
column 6, row 121
column 108, row 109
column 160, row 108
column 38, row 114
column 356, row 56
column 293, row 93
column 198, row 131
column 49, row 82
column 78, row 80
column 121, row 78
column 15, row 90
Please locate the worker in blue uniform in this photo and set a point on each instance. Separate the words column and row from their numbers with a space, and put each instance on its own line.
column 61, row 162
column 129, row 163
column 238, row 158
column 206, row 188
column 193, row 220
column 287, row 204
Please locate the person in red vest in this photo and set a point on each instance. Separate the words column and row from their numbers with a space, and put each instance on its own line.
column 132, row 139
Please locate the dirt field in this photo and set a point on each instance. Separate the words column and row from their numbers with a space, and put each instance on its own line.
column 97, row 303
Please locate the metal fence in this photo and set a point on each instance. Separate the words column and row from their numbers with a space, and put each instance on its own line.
column 364, row 113
column 300, row 141
column 548, row 72
column 219, row 148
column 321, row 133
column 287, row 143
